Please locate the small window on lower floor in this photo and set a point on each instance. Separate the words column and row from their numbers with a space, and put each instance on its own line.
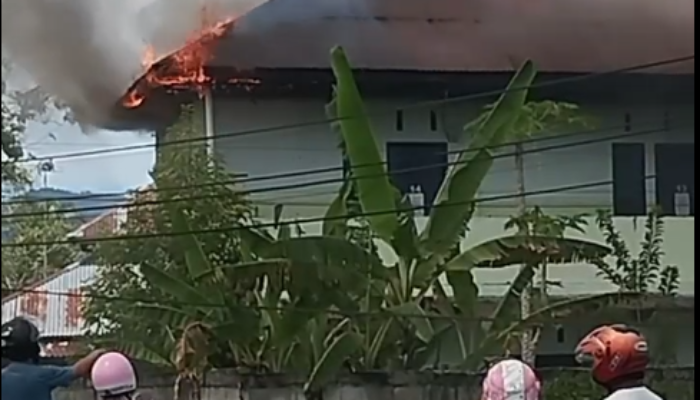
column 555, row 361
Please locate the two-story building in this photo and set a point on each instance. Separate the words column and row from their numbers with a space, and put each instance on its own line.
column 422, row 66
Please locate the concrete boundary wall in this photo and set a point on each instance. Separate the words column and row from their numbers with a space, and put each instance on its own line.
column 228, row 385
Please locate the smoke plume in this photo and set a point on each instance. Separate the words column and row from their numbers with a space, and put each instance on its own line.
column 87, row 53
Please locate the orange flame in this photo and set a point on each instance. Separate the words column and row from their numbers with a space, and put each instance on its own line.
column 183, row 69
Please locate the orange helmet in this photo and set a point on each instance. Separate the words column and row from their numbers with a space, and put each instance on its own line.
column 613, row 352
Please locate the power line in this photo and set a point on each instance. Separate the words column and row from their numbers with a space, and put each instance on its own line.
column 305, row 310
column 277, row 188
column 295, row 174
column 311, row 220
column 428, row 104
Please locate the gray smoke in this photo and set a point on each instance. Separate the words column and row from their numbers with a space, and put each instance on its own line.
column 87, row 53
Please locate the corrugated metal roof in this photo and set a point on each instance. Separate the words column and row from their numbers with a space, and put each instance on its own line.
column 54, row 305
column 574, row 36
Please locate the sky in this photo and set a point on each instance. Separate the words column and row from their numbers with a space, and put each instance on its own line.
column 116, row 171
column 111, row 172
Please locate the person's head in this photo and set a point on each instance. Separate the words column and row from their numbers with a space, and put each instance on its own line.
column 20, row 341
column 617, row 355
column 509, row 380
column 113, row 377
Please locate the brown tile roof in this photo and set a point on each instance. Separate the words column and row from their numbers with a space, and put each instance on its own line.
column 574, row 36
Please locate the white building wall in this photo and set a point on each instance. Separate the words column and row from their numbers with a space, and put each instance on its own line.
column 304, row 146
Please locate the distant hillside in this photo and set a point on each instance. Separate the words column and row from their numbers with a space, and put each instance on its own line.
column 80, row 202
column 77, row 201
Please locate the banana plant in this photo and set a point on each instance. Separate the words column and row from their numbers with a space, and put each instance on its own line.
column 279, row 309
column 459, row 306
column 421, row 255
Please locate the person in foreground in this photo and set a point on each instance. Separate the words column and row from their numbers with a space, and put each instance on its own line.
column 618, row 357
column 510, row 380
column 23, row 378
column 114, row 378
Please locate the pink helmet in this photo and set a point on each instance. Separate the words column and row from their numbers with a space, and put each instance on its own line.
column 113, row 375
column 510, row 380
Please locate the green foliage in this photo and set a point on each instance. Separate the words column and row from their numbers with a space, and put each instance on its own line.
column 645, row 272
column 260, row 303
column 23, row 265
column 375, row 192
column 18, row 108
column 211, row 206
column 424, row 257
column 319, row 305
column 12, row 132
column 573, row 384
column 405, row 284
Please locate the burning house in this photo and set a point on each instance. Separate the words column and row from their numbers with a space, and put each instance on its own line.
column 262, row 81
column 629, row 65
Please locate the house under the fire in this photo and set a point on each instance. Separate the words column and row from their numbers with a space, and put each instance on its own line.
column 447, row 48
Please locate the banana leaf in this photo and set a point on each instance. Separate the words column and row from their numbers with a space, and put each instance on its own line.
column 458, row 190
column 196, row 259
column 334, row 357
column 566, row 309
column 374, row 190
column 519, row 249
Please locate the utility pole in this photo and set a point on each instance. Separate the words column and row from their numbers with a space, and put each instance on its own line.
column 45, row 169
column 527, row 350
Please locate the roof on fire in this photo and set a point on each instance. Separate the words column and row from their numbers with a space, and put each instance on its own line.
column 568, row 36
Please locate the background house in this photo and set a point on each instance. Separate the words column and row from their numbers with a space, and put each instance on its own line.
column 412, row 51
column 54, row 303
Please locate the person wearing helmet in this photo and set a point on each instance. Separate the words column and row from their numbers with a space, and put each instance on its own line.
column 113, row 377
column 23, row 378
column 510, row 380
column 618, row 357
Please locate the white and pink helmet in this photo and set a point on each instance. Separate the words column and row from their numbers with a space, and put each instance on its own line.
column 511, row 380
column 113, row 376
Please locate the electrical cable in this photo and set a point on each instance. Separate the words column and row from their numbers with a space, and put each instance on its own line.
column 285, row 175
column 386, row 313
column 428, row 104
column 309, row 220
column 11, row 216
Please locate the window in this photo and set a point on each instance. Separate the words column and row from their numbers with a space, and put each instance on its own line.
column 399, row 120
column 555, row 361
column 629, row 182
column 433, row 121
column 675, row 178
column 418, row 166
